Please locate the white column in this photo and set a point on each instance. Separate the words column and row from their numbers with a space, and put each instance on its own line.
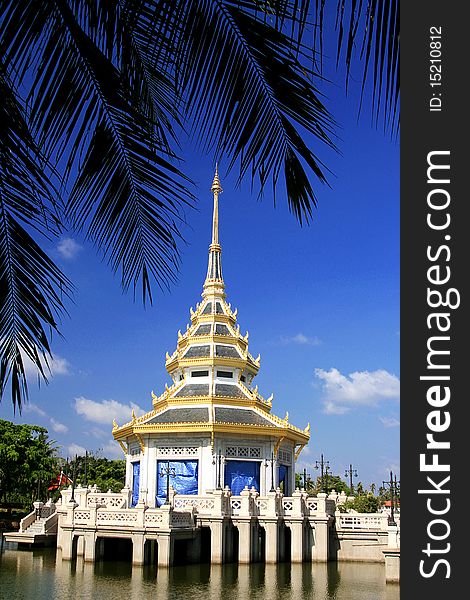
column 165, row 550
column 244, row 541
column 90, row 543
column 217, row 542
column 320, row 549
column 296, row 545
column 138, row 543
column 271, row 541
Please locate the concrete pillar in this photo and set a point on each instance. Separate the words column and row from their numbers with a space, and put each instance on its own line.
column 244, row 541
column 297, row 541
column 321, row 548
column 165, row 549
column 392, row 564
column 90, row 543
column 217, row 542
column 272, row 541
column 80, row 545
column 138, row 543
column 67, row 544
column 255, row 548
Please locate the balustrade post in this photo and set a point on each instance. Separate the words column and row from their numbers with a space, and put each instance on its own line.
column 219, row 498
column 253, row 497
column 141, row 507
column 167, row 511
column 245, row 503
column 93, row 516
column 297, row 504
column 272, row 504
column 227, row 506
column 127, row 493
column 321, row 511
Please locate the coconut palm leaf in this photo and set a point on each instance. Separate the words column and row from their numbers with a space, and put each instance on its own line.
column 32, row 288
column 368, row 38
column 111, row 87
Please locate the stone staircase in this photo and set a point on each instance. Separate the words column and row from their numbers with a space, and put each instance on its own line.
column 36, row 530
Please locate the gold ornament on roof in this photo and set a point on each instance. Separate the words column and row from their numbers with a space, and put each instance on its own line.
column 115, row 425
column 154, row 396
column 134, row 417
column 286, row 418
column 307, row 429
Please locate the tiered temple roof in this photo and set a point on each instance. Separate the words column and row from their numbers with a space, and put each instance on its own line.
column 212, row 371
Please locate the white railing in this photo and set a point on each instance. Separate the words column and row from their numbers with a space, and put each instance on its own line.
column 109, row 500
column 27, row 521
column 362, row 521
column 200, row 504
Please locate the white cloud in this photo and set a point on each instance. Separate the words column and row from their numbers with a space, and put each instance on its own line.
column 75, row 449
column 362, row 388
column 105, row 411
column 389, row 421
column 112, row 450
column 58, row 427
column 57, row 365
column 68, row 248
column 300, row 338
column 33, row 408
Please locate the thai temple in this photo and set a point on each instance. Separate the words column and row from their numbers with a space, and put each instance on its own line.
column 212, row 428
column 210, row 470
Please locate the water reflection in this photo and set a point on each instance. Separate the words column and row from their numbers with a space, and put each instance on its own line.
column 41, row 574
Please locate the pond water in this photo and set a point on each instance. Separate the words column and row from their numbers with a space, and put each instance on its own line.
column 41, row 574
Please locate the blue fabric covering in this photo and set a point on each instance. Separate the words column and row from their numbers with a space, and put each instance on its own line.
column 239, row 473
column 183, row 478
column 283, row 479
column 135, row 482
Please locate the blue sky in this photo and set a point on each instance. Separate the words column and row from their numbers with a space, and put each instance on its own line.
column 321, row 304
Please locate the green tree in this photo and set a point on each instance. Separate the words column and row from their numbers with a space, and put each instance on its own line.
column 363, row 503
column 106, row 474
column 28, row 462
column 96, row 100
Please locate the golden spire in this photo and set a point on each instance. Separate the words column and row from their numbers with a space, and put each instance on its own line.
column 214, row 281
column 216, row 189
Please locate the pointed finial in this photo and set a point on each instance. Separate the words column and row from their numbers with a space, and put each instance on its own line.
column 216, row 187
column 286, row 418
column 115, row 425
column 307, row 429
column 134, row 417
column 154, row 395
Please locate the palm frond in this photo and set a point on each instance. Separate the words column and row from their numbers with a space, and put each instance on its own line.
column 31, row 286
column 368, row 36
column 247, row 91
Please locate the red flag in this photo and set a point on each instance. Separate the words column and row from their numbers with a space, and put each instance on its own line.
column 59, row 481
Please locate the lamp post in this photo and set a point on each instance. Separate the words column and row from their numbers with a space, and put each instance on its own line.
column 305, row 479
column 394, row 489
column 271, row 461
column 217, row 460
column 323, row 465
column 167, row 471
column 351, row 472
column 74, row 476
column 86, row 468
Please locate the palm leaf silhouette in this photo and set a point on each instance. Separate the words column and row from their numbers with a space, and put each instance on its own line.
column 97, row 96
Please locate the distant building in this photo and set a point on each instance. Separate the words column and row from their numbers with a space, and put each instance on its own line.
column 211, row 428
